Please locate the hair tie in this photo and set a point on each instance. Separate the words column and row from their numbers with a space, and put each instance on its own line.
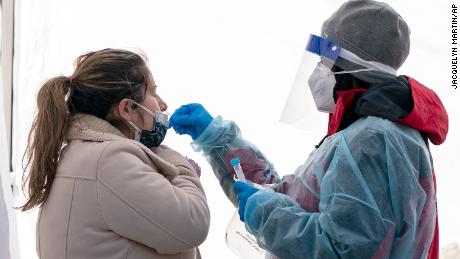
column 69, row 90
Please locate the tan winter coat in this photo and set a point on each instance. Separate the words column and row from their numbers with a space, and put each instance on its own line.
column 114, row 198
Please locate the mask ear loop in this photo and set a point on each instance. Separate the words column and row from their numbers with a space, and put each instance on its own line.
column 325, row 62
column 353, row 71
column 159, row 117
column 144, row 108
column 134, row 125
column 137, row 131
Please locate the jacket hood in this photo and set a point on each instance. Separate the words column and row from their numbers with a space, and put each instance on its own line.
column 402, row 99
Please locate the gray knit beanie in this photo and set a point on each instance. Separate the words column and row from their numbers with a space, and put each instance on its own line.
column 372, row 30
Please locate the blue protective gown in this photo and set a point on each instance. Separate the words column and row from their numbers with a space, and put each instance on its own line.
column 366, row 192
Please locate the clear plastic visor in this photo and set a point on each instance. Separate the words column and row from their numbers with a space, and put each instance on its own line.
column 300, row 110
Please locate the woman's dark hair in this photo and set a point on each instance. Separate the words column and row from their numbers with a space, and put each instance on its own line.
column 100, row 81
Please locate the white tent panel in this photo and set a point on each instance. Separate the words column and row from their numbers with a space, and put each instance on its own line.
column 236, row 57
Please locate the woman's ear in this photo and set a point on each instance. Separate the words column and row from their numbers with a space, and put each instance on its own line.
column 125, row 109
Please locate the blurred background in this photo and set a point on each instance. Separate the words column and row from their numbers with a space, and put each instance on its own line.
column 238, row 58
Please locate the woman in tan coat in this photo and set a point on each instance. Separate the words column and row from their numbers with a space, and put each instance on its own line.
column 111, row 191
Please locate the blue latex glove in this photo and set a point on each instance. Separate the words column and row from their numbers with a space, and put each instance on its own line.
column 191, row 119
column 243, row 191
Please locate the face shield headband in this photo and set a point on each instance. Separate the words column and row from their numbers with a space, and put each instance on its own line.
column 329, row 52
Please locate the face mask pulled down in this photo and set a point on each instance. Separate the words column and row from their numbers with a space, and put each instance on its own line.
column 152, row 138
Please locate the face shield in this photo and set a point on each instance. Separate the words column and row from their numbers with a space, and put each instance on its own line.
column 320, row 56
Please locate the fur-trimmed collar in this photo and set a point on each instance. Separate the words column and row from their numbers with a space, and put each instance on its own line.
column 89, row 127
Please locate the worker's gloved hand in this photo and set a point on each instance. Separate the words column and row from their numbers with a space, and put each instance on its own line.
column 243, row 191
column 191, row 119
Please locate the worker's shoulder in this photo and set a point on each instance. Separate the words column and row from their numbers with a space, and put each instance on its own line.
column 376, row 124
column 371, row 127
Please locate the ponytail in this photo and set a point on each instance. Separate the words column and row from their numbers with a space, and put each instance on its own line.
column 45, row 140
column 101, row 80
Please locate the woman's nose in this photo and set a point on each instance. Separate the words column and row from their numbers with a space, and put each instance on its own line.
column 163, row 104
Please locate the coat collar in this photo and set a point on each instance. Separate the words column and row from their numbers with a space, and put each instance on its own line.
column 91, row 128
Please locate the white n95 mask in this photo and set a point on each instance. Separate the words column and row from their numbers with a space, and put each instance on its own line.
column 322, row 82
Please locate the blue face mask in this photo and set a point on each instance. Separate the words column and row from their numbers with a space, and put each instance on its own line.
column 152, row 138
